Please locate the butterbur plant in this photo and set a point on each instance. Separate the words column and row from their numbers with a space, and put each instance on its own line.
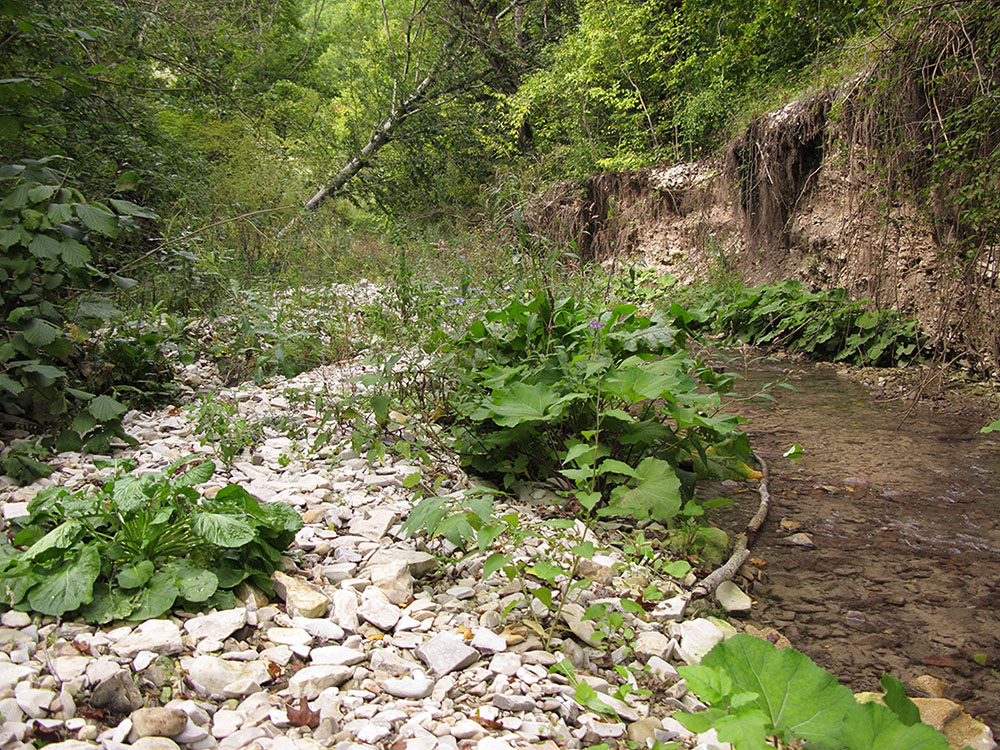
column 141, row 544
column 756, row 692
column 604, row 402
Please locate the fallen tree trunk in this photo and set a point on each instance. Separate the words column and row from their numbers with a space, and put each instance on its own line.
column 381, row 136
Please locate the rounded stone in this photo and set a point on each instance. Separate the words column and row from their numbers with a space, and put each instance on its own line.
column 157, row 722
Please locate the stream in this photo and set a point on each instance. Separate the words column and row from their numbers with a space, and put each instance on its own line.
column 905, row 573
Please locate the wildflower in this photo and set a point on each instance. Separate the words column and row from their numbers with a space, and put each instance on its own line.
column 596, row 324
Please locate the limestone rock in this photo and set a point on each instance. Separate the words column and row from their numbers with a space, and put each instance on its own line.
column 445, row 653
column 414, row 688
column 381, row 614
column 325, row 630
column 117, row 694
column 652, row 643
column 211, row 675
column 157, row 722
column 394, row 579
column 217, row 626
column 697, row 638
column 12, row 674
column 929, row 685
column 155, row 743
column 159, row 636
column 301, row 598
column 732, row 598
column 309, row 682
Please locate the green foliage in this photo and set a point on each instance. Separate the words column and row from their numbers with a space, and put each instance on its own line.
column 218, row 422
column 54, row 296
column 277, row 332
column 639, row 82
column 134, row 365
column 606, row 399
column 823, row 325
column 142, row 544
column 757, row 691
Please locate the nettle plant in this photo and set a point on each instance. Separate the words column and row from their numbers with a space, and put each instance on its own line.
column 53, row 296
column 140, row 544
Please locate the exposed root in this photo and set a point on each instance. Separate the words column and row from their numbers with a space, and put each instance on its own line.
column 741, row 550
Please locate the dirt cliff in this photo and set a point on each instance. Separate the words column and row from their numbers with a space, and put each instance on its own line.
column 798, row 195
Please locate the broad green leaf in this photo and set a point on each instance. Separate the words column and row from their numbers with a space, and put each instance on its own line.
column 411, row 480
column 895, row 699
column 614, row 466
column 197, row 474
column 95, row 307
column 493, row 563
column 745, row 730
column 41, row 193
column 131, row 209
column 131, row 492
column 109, row 603
column 59, row 213
column 105, row 408
column 380, row 407
column 587, row 697
column 874, row 727
column 74, row 254
column 278, row 516
column 711, row 685
column 44, row 246
column 588, row 499
column 84, row 422
column 701, row 721
column 135, row 574
column 97, row 219
column 69, row 586
column 546, row 571
column 10, row 385
column 156, row 598
column 656, row 495
column 62, row 537
column 196, row 584
column 677, row 568
column 40, row 332
column 798, row 698
column 68, row 440
column 523, row 403
column 222, row 529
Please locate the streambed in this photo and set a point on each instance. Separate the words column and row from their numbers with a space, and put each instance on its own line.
column 904, row 576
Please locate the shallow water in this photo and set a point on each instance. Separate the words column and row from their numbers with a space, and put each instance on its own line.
column 905, row 574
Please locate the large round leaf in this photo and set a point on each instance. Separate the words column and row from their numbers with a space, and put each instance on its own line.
column 68, row 586
column 222, row 530
column 157, row 597
column 197, row 584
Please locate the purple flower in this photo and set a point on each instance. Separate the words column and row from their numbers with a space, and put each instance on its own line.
column 596, row 324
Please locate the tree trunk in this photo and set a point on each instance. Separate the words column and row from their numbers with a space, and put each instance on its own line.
column 381, row 136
